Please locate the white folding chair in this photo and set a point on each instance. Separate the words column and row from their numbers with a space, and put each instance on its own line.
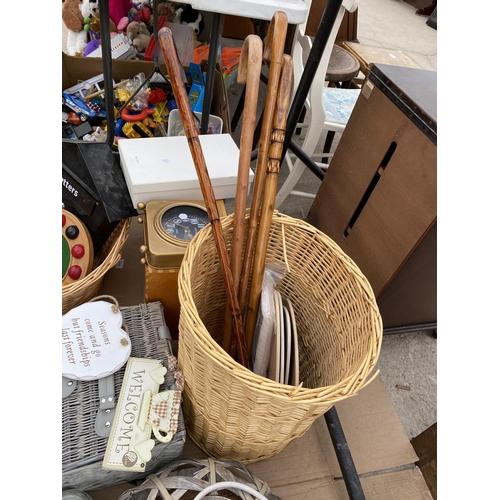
column 327, row 108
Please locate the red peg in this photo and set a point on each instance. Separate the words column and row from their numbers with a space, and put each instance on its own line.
column 78, row 251
column 74, row 272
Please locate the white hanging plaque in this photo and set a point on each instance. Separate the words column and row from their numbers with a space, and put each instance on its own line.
column 94, row 345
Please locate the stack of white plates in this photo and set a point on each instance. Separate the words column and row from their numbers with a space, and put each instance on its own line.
column 284, row 357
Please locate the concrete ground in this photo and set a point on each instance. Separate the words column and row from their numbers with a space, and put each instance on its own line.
column 408, row 359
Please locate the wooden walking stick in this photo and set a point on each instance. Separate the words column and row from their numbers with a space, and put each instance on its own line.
column 172, row 63
column 269, row 196
column 249, row 69
column 273, row 53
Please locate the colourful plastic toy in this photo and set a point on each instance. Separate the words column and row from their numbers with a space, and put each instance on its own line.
column 90, row 109
column 132, row 116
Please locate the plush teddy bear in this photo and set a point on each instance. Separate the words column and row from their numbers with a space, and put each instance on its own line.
column 72, row 18
column 139, row 35
column 95, row 21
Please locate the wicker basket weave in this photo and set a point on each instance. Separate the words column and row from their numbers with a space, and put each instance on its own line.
column 184, row 478
column 83, row 290
column 230, row 412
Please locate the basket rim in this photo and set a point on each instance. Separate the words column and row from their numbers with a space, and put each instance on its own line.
column 363, row 376
column 111, row 259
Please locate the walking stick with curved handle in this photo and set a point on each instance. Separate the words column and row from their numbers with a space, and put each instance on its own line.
column 273, row 53
column 249, row 69
column 172, row 63
column 269, row 196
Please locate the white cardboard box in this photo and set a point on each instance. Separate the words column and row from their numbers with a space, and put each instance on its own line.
column 162, row 168
column 121, row 48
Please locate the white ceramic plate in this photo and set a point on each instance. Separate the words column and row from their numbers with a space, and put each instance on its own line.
column 274, row 359
column 294, row 358
column 264, row 336
column 282, row 341
column 287, row 345
column 263, row 340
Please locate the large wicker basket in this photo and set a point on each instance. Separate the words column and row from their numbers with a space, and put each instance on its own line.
column 82, row 291
column 230, row 412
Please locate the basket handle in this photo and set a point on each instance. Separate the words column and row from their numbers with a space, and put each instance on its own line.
column 110, row 298
column 229, row 484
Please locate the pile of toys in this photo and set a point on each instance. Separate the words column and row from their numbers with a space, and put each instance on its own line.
column 142, row 107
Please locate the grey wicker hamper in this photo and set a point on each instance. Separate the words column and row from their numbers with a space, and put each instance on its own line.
column 82, row 449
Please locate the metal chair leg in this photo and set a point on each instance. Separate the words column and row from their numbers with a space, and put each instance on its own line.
column 349, row 473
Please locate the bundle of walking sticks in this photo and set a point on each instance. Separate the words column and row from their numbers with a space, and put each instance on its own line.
column 243, row 272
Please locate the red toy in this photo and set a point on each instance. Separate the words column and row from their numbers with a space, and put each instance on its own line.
column 131, row 116
column 77, row 249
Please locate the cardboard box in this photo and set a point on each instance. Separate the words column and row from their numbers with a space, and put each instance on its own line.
column 162, row 168
column 77, row 69
column 308, row 467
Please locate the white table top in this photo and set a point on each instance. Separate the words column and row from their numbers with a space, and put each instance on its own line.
column 296, row 10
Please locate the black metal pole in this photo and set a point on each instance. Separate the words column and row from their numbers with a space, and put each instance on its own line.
column 239, row 109
column 324, row 29
column 394, row 330
column 212, row 60
column 310, row 163
column 351, row 478
column 107, row 69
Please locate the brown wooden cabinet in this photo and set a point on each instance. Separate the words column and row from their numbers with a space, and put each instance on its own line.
column 348, row 30
column 378, row 200
column 425, row 446
column 424, row 7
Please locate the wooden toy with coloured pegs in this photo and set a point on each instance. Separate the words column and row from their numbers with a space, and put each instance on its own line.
column 77, row 249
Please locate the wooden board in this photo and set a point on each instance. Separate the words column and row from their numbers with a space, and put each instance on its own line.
column 411, row 297
column 425, row 445
column 401, row 208
column 348, row 29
